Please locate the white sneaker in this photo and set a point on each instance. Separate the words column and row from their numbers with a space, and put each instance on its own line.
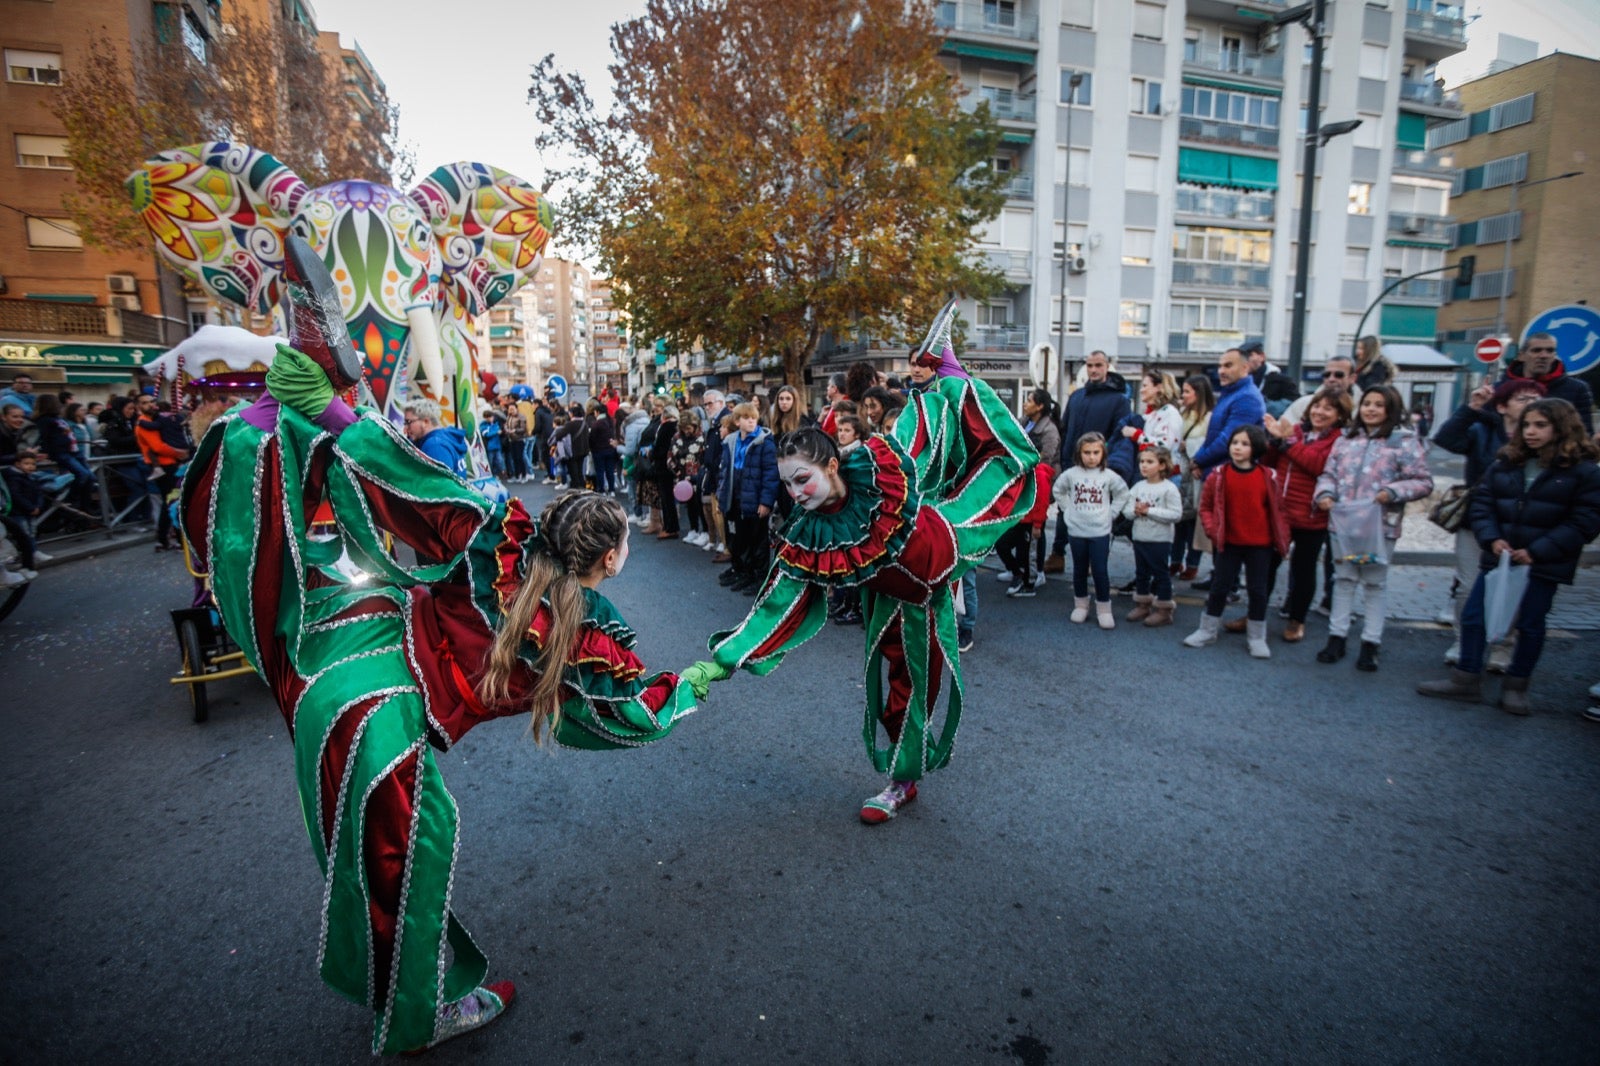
column 1005, row 577
column 1038, row 579
column 28, row 574
column 42, row 557
column 10, row 579
column 721, row 547
column 1453, row 656
column 706, row 545
column 1594, row 691
column 1500, row 657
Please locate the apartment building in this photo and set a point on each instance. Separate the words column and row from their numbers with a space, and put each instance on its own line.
column 1531, row 228
column 1159, row 142
column 610, row 347
column 562, row 288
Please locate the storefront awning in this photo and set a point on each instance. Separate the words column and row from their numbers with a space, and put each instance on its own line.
column 1199, row 166
column 84, row 363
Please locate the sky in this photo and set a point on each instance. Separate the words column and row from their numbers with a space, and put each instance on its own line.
column 462, row 90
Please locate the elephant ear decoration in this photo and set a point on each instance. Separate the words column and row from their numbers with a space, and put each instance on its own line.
column 219, row 212
column 492, row 229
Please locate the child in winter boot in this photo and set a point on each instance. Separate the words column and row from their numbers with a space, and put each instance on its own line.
column 1090, row 495
column 1155, row 507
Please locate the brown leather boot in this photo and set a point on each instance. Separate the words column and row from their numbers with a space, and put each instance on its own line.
column 1161, row 613
column 1514, row 696
column 1141, row 608
column 1460, row 685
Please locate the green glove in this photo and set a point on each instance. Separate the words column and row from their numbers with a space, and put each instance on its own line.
column 295, row 381
column 700, row 675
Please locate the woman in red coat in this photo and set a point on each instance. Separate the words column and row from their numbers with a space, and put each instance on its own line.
column 1301, row 451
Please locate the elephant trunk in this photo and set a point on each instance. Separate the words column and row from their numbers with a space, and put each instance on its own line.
column 425, row 349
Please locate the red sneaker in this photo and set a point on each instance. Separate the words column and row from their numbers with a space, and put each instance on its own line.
column 886, row 804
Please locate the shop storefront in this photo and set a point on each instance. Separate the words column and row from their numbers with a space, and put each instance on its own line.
column 93, row 371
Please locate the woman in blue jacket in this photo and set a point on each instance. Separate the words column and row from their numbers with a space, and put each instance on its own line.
column 1539, row 503
column 747, row 490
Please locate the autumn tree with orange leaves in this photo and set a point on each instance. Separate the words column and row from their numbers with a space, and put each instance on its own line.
column 772, row 172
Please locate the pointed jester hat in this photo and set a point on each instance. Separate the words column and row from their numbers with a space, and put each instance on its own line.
column 937, row 352
column 316, row 320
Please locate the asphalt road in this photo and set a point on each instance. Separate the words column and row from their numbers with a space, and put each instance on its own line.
column 1141, row 853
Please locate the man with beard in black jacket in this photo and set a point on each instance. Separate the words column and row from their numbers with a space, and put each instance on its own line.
column 1537, row 362
column 1098, row 407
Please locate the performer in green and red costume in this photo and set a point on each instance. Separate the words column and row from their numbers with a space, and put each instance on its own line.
column 902, row 517
column 372, row 677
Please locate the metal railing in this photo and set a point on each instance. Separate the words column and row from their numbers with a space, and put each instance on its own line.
column 85, row 320
column 998, row 338
column 1006, row 105
column 133, row 506
column 1010, row 262
column 1221, row 275
column 1215, row 203
column 1420, row 227
column 997, row 19
column 1427, row 92
column 1422, row 162
column 1229, row 61
column 1020, row 187
column 1214, row 132
column 1428, row 290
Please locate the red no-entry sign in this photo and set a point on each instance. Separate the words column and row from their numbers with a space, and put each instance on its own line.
column 1489, row 350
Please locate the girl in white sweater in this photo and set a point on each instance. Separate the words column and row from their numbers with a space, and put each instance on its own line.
column 1155, row 507
column 1090, row 495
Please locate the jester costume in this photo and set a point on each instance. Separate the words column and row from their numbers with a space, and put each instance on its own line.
column 372, row 677
column 921, row 508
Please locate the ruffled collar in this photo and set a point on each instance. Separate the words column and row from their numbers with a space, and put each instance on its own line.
column 848, row 544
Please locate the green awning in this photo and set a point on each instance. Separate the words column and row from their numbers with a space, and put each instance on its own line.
column 986, row 51
column 1412, row 134
column 1016, row 137
column 1235, row 86
column 1397, row 320
column 1442, row 242
column 1200, row 166
column 1251, row 172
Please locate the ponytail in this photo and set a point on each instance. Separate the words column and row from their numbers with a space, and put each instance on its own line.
column 576, row 531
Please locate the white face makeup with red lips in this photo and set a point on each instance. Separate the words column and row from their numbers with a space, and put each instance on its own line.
column 807, row 482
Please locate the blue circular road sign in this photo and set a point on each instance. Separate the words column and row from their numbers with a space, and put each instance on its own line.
column 1576, row 328
column 557, row 385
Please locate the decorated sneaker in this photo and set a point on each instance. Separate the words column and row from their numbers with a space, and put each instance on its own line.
column 472, row 1011
column 886, row 804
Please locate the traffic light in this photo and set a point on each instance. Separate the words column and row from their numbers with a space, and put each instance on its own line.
column 1464, row 269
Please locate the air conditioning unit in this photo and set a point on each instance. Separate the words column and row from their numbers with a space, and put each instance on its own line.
column 126, row 303
column 1414, row 225
column 1077, row 265
column 122, row 283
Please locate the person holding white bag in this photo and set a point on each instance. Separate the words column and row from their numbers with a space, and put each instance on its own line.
column 1536, row 508
column 1380, row 462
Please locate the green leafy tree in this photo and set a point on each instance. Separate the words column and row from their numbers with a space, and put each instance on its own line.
column 772, row 172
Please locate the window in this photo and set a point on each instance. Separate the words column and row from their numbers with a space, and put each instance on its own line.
column 1511, row 113
column 1360, row 198
column 35, row 68
column 1074, row 315
column 1146, row 97
column 1507, row 171
column 1081, row 160
column 1245, row 109
column 1077, row 233
column 48, row 153
column 53, row 233
column 994, row 314
column 1370, row 133
column 1355, row 262
column 1138, row 246
column 1001, row 13
column 1083, row 96
column 193, row 39
column 1133, row 318
column 1148, row 19
column 1191, row 44
column 1077, row 13
column 1141, row 173
column 1375, row 62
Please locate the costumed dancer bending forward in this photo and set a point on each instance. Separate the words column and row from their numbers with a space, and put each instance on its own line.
column 903, row 518
column 372, row 677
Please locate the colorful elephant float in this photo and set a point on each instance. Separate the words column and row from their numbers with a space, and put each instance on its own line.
column 411, row 268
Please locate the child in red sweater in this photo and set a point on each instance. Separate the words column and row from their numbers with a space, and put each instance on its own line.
column 1241, row 513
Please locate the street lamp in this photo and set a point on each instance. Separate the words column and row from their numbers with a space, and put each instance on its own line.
column 1074, row 80
column 1505, row 259
column 1312, row 16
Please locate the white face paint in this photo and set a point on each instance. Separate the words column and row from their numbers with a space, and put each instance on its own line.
column 807, row 482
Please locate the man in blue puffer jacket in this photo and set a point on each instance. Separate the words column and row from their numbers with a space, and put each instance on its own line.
column 747, row 491
column 1238, row 404
column 445, row 445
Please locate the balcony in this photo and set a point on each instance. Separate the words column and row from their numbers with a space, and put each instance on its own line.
column 1005, row 105
column 998, row 338
column 994, row 18
column 1221, row 275
column 1230, row 61
column 1422, row 164
column 48, row 318
column 1210, row 131
column 1429, row 94
column 1217, row 203
column 1430, row 228
column 1419, row 291
column 1020, row 187
column 1435, row 34
column 1013, row 264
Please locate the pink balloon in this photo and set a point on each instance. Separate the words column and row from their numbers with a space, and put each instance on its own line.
column 683, row 491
